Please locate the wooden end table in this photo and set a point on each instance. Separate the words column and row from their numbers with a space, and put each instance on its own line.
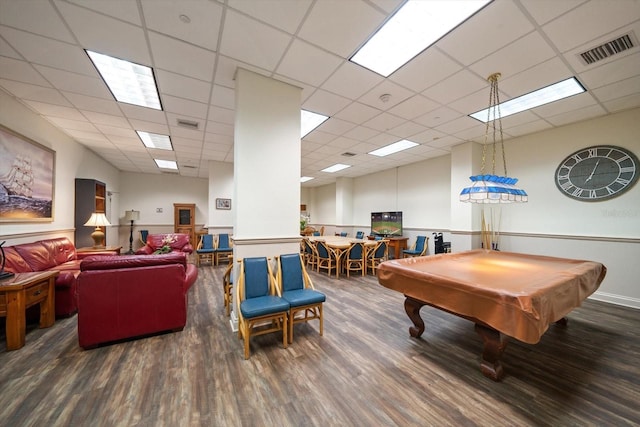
column 20, row 292
column 115, row 249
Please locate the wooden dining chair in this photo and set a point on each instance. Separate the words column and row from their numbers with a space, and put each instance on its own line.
column 326, row 257
column 355, row 259
column 377, row 255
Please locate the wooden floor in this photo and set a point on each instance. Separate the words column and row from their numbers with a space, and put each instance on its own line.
column 365, row 371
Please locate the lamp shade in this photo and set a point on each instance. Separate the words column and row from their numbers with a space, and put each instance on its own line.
column 131, row 215
column 97, row 219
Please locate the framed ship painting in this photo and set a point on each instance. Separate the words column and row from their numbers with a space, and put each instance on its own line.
column 27, row 179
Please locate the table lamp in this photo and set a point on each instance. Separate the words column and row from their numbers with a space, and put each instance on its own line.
column 97, row 220
column 131, row 216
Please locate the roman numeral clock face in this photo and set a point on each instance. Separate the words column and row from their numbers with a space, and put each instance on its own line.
column 597, row 173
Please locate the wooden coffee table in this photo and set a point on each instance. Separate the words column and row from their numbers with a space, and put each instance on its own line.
column 20, row 292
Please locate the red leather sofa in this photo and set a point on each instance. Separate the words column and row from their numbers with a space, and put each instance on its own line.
column 180, row 243
column 130, row 296
column 51, row 254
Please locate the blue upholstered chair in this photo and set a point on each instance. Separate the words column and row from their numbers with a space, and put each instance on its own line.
column 316, row 233
column 419, row 248
column 205, row 250
column 305, row 303
column 309, row 255
column 355, row 259
column 227, row 284
column 343, row 234
column 326, row 258
column 258, row 301
column 377, row 255
column 360, row 235
column 223, row 247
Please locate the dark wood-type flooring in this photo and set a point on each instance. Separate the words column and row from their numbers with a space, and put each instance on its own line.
column 365, row 371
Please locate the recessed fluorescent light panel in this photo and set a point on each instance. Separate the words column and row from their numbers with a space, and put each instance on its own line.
column 335, row 168
column 128, row 82
column 306, row 178
column 309, row 121
column 393, row 148
column 414, row 27
column 155, row 140
column 555, row 92
column 166, row 164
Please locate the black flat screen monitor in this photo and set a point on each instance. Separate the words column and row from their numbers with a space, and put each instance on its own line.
column 386, row 224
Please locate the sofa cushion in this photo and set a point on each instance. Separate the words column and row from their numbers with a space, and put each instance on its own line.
column 60, row 248
column 36, row 255
column 14, row 261
column 131, row 261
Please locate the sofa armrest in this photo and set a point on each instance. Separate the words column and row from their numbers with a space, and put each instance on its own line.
column 145, row 250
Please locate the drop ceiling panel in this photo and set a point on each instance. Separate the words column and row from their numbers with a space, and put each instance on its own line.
column 573, row 116
column 325, row 103
column 284, row 14
column 486, row 32
column 202, row 28
column 250, row 41
column 182, row 86
column 396, row 93
column 357, row 113
column 13, row 69
column 340, row 33
column 173, row 104
column 618, row 89
column 76, row 83
column 34, row 92
column 92, row 103
column 124, row 10
column 106, row 119
column 36, row 18
column 544, row 11
column 455, row 87
column 352, row 81
column 141, row 114
column 8, row 51
column 221, row 115
column 622, row 69
column 68, row 124
column 181, row 58
column 55, row 110
column 425, row 70
column 384, row 122
column 106, row 35
column 307, row 63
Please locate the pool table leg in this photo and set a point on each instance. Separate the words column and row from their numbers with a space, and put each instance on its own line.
column 412, row 307
column 494, row 345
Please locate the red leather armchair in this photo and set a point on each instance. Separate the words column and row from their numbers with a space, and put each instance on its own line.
column 131, row 296
column 180, row 243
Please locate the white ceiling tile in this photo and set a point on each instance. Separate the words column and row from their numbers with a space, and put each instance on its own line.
column 490, row 29
column 91, row 103
column 383, row 122
column 34, row 16
column 8, row 51
column 13, row 69
column 524, row 53
column 618, row 89
column 437, row 117
column 221, row 115
column 397, row 95
column 117, row 131
column 319, row 137
column 223, row 97
column 326, row 103
column 427, row 136
column 361, row 133
column 106, row 35
column 457, row 125
column 539, row 76
column 34, row 92
column 530, row 127
column 73, row 124
column 336, row 126
column 624, row 68
column 182, row 86
column 76, row 83
column 425, row 70
column 56, row 110
column 595, row 18
column 96, row 138
column 134, row 112
column 357, row 113
column 413, row 107
column 352, row 81
column 455, row 87
column 174, row 104
column 407, row 129
column 45, row 51
column 572, row 116
column 624, row 103
column 220, row 128
column 250, row 41
column 204, row 19
column 545, row 10
column 125, row 10
column 142, row 125
column 307, row 63
column 284, row 14
column 340, row 33
column 182, row 58
column 106, row 119
column 575, row 102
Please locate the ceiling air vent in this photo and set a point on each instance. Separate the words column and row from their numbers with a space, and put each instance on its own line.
column 608, row 49
column 348, row 154
column 188, row 124
column 189, row 167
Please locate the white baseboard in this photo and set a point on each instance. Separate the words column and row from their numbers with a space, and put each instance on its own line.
column 616, row 299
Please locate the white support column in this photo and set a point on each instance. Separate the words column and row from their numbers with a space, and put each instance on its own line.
column 266, row 203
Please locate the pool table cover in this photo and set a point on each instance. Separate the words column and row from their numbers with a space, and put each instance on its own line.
column 516, row 294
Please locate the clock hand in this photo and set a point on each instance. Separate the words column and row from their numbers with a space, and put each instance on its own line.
column 593, row 171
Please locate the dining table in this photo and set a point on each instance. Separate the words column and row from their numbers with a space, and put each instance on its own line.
column 340, row 245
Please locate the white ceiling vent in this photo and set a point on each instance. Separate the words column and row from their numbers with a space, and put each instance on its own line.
column 188, row 124
column 608, row 49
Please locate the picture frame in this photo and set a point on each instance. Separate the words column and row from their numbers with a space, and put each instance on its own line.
column 27, row 179
column 223, row 204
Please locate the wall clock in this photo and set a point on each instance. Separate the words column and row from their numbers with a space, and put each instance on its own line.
column 597, row 173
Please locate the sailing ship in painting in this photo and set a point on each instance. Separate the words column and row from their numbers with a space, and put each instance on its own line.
column 16, row 190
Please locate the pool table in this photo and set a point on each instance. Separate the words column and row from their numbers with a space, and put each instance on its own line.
column 505, row 294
